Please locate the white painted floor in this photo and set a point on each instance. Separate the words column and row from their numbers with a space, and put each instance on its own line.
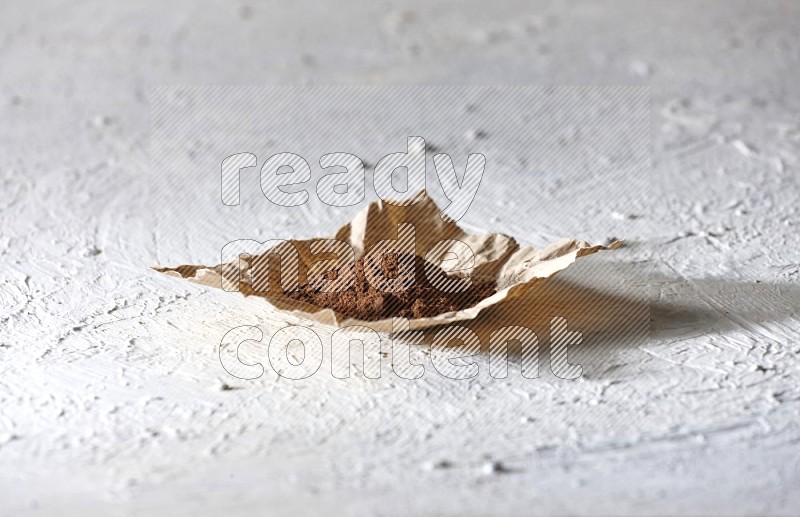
column 110, row 399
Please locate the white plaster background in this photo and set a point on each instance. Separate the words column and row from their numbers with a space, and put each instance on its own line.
column 106, row 408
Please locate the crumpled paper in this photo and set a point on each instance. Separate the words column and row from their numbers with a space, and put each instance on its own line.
column 498, row 258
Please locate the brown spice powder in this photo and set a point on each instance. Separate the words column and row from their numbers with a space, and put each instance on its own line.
column 363, row 301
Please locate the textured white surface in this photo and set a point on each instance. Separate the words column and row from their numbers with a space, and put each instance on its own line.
column 105, row 406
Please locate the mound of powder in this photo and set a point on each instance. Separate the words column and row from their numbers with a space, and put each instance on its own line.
column 407, row 298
